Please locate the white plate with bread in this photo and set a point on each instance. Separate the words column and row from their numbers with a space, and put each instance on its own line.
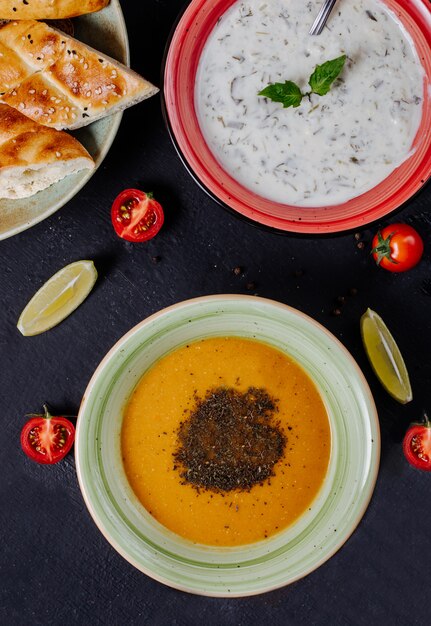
column 52, row 84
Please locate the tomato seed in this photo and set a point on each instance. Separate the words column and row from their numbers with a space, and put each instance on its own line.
column 416, row 446
column 130, row 204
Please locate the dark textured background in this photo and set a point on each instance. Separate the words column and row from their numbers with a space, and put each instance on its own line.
column 55, row 566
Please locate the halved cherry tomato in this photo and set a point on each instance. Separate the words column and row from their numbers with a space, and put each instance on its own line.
column 136, row 216
column 417, row 445
column 397, row 247
column 47, row 439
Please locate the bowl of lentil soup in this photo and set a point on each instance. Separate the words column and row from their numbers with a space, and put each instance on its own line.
column 333, row 163
column 310, row 419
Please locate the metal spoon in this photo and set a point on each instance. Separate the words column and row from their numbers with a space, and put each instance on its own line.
column 320, row 20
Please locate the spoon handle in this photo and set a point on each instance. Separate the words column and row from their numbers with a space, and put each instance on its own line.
column 320, row 20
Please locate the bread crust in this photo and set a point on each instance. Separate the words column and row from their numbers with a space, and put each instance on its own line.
column 24, row 142
column 59, row 81
column 26, row 145
column 48, row 9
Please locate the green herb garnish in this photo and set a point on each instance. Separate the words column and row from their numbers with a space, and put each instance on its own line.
column 288, row 93
column 320, row 81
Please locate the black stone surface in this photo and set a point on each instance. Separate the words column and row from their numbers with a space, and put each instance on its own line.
column 55, row 566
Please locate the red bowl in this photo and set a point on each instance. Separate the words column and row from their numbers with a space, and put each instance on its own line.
column 180, row 68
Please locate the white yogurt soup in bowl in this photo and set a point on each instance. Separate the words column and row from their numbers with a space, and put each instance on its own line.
column 335, row 161
column 331, row 148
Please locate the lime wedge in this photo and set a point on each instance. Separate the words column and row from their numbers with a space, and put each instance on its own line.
column 385, row 357
column 57, row 298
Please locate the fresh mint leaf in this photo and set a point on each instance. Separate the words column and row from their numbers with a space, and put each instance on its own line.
column 325, row 74
column 288, row 93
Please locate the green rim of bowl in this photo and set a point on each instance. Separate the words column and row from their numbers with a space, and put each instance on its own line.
column 268, row 564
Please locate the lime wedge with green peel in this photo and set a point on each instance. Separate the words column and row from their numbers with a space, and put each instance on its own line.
column 385, row 357
column 57, row 298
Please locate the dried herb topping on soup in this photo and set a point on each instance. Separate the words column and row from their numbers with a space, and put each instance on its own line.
column 230, row 440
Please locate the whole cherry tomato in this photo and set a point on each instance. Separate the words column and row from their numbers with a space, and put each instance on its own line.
column 397, row 248
column 417, row 445
column 136, row 216
column 47, row 439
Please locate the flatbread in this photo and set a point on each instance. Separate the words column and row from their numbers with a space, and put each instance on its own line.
column 59, row 81
column 33, row 157
column 48, row 9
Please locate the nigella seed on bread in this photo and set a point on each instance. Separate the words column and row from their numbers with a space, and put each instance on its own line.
column 48, row 9
column 60, row 82
column 33, row 157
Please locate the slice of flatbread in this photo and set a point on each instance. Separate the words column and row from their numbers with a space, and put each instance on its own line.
column 66, row 25
column 33, row 157
column 59, row 81
column 48, row 9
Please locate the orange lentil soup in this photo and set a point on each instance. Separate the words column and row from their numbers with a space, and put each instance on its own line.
column 167, row 394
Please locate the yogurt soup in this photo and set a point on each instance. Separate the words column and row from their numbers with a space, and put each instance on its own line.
column 331, row 148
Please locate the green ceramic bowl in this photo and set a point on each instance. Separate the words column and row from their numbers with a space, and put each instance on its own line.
column 105, row 31
column 267, row 564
